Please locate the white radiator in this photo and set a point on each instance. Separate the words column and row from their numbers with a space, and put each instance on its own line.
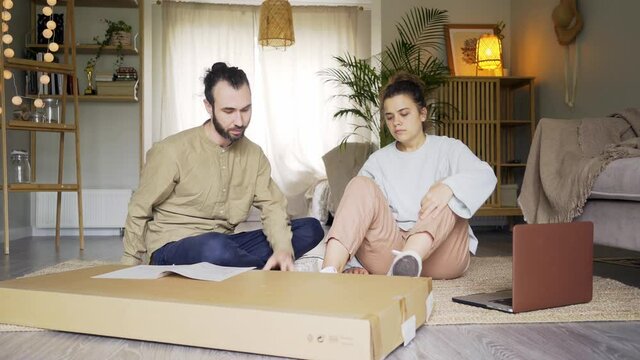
column 102, row 209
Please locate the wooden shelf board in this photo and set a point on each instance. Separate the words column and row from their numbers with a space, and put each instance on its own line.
column 99, row 3
column 515, row 122
column 33, row 65
column 90, row 49
column 33, row 126
column 93, row 98
column 106, row 98
column 42, row 187
column 499, row 211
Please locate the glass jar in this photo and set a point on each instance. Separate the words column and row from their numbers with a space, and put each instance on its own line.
column 51, row 110
column 20, row 167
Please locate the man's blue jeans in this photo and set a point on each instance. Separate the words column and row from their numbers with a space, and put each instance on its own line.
column 243, row 249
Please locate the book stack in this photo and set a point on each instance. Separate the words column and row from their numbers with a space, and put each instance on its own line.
column 126, row 73
column 117, row 88
column 124, row 82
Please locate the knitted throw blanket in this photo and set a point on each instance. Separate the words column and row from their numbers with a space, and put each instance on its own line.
column 566, row 157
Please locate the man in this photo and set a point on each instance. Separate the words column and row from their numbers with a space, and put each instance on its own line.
column 197, row 185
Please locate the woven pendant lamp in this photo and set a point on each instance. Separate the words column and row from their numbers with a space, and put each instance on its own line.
column 276, row 24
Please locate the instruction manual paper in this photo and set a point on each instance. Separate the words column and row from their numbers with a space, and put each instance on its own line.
column 200, row 271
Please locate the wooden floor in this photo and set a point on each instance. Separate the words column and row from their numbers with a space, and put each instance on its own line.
column 600, row 340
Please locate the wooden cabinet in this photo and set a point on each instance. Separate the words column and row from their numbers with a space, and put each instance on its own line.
column 495, row 117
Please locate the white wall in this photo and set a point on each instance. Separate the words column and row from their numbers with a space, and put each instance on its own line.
column 608, row 72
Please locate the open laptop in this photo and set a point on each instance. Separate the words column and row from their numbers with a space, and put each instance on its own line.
column 552, row 266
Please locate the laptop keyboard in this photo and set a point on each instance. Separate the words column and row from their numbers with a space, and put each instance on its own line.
column 507, row 301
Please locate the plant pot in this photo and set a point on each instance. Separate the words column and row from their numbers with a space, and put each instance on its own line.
column 121, row 37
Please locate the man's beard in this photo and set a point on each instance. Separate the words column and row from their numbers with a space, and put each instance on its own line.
column 225, row 134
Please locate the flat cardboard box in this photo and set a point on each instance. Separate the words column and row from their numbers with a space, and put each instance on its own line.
column 302, row 315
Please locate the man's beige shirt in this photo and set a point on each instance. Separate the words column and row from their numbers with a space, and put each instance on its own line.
column 189, row 185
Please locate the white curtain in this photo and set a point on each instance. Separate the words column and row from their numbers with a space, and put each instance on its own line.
column 292, row 107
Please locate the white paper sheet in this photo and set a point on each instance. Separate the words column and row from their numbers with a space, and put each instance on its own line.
column 200, row 271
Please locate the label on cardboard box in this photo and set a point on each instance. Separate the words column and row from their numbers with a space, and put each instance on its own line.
column 409, row 330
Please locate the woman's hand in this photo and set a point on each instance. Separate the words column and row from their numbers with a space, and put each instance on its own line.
column 435, row 200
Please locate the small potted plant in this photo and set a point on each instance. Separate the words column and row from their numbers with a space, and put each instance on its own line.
column 118, row 34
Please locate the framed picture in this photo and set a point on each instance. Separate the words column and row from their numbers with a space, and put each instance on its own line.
column 461, row 46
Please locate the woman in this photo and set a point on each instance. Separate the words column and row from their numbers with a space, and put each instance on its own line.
column 407, row 212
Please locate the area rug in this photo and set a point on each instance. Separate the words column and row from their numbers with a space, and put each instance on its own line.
column 612, row 300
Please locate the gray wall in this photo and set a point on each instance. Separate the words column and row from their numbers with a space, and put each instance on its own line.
column 608, row 72
column 19, row 203
column 460, row 12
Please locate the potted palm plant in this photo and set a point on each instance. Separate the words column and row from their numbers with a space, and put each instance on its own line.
column 420, row 36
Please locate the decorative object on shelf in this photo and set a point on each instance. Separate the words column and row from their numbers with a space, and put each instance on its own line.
column 89, row 90
column 118, row 34
column 51, row 110
column 414, row 50
column 461, row 41
column 568, row 23
column 276, row 24
column 489, row 51
column 21, row 169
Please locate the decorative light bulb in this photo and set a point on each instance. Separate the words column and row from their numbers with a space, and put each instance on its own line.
column 47, row 11
column 53, row 46
column 5, row 27
column 7, row 74
column 16, row 100
column 6, row 16
column 51, row 24
column 7, row 4
column 45, row 79
column 51, row 2
column 48, row 57
column 47, row 33
column 7, row 39
column 38, row 103
column 8, row 52
column 0, row 111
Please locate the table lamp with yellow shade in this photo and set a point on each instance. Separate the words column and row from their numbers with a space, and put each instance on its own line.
column 489, row 54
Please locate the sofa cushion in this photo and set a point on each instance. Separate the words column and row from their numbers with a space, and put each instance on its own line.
column 619, row 181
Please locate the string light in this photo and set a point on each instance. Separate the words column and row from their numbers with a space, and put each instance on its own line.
column 8, row 52
column 47, row 11
column 47, row 33
column 16, row 100
column 48, row 57
column 53, row 46
column 7, row 39
column 45, row 79
column 5, row 27
column 6, row 16
column 7, row 4
column 7, row 74
column 51, row 2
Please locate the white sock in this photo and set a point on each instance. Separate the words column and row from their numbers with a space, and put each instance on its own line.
column 329, row 270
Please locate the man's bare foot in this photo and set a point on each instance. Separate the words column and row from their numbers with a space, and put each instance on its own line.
column 356, row 270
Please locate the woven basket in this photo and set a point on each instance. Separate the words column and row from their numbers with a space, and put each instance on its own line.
column 124, row 38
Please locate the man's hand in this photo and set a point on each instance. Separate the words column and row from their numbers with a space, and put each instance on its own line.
column 435, row 200
column 280, row 259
